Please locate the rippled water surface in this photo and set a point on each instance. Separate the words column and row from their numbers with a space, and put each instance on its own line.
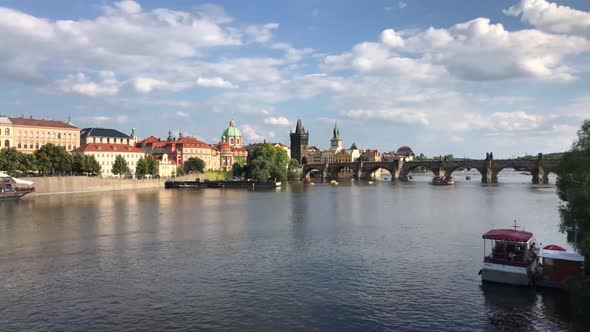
column 399, row 257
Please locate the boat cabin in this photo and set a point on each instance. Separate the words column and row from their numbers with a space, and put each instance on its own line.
column 558, row 266
column 510, row 247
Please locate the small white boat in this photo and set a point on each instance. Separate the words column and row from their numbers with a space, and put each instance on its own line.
column 559, row 266
column 513, row 259
column 13, row 188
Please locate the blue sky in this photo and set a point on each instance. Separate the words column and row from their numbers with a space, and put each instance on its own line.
column 460, row 77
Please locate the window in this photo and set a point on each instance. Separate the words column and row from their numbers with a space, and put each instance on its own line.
column 108, row 140
column 231, row 141
column 70, row 136
column 238, row 141
column 37, row 146
column 101, row 139
column 19, row 145
column 7, row 143
column 7, row 132
column 127, row 141
column 25, row 146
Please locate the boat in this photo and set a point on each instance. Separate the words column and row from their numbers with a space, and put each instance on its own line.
column 442, row 181
column 468, row 177
column 334, row 182
column 558, row 266
column 513, row 259
column 370, row 182
column 13, row 188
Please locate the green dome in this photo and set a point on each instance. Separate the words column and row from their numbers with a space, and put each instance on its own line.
column 231, row 131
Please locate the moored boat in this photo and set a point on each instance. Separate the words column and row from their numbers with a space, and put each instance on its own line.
column 13, row 188
column 248, row 184
column 513, row 259
column 442, row 181
column 558, row 267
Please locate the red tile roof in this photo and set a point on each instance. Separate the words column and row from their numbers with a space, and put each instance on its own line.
column 106, row 147
column 40, row 123
column 151, row 139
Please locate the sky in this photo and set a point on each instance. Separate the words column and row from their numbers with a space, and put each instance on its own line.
column 444, row 77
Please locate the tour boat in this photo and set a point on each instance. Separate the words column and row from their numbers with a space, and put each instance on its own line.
column 513, row 259
column 442, row 181
column 334, row 182
column 13, row 188
column 558, row 267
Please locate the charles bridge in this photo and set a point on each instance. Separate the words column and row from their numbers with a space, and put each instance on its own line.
column 401, row 170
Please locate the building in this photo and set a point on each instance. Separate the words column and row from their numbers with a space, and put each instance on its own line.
column 299, row 142
column 371, row 155
column 105, row 135
column 180, row 149
column 231, row 147
column 327, row 156
column 354, row 152
column 406, row 152
column 314, row 155
column 30, row 134
column 336, row 142
column 165, row 166
column 6, row 133
column 106, row 153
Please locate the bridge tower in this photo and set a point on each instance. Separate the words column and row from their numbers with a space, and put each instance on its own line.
column 299, row 142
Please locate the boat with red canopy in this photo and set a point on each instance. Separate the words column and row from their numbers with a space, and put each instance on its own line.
column 559, row 266
column 513, row 258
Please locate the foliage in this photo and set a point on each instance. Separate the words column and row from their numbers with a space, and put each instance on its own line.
column 77, row 161
column 573, row 188
column 217, row 175
column 120, row 166
column 53, row 159
column 141, row 168
column 151, row 166
column 267, row 162
column 237, row 170
column 193, row 165
column 293, row 167
column 179, row 171
column 90, row 165
column 15, row 162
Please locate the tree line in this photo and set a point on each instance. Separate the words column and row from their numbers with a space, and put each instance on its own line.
column 265, row 163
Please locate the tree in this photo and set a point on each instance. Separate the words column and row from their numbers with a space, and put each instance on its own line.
column 194, row 164
column 276, row 164
column 151, row 166
column 237, row 170
column 77, row 164
column 15, row 162
column 142, row 168
column 53, row 159
column 90, row 165
column 573, row 188
column 293, row 166
column 120, row 166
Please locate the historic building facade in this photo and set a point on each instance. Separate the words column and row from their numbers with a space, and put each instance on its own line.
column 6, row 132
column 30, row 134
column 106, row 153
column 166, row 167
column 105, row 135
column 231, row 147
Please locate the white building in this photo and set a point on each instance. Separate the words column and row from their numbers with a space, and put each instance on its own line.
column 105, row 154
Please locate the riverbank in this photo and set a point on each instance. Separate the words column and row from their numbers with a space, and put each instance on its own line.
column 80, row 184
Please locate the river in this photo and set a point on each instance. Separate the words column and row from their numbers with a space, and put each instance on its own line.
column 397, row 257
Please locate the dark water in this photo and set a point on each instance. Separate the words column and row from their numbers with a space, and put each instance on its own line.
column 399, row 257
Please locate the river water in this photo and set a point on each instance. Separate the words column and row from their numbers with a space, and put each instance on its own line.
column 398, row 257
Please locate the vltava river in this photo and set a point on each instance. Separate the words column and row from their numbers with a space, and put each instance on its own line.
column 398, row 257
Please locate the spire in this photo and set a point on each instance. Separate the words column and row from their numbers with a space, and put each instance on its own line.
column 299, row 129
column 170, row 137
column 336, row 132
column 180, row 134
column 133, row 134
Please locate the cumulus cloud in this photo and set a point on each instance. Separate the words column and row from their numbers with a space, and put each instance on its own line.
column 215, row 82
column 551, row 17
column 253, row 133
column 261, row 33
column 83, row 85
column 279, row 121
column 400, row 116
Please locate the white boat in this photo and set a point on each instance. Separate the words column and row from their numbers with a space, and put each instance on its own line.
column 513, row 259
column 13, row 188
column 559, row 267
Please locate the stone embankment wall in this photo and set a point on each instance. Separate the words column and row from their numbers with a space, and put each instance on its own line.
column 79, row 184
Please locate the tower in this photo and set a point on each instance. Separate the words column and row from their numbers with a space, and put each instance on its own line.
column 299, row 142
column 336, row 142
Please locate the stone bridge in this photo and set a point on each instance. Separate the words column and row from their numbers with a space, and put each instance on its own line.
column 400, row 170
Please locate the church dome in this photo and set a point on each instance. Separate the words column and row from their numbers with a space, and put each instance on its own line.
column 405, row 151
column 231, row 131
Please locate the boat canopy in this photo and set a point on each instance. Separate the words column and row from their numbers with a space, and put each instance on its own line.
column 554, row 247
column 15, row 180
column 508, row 235
column 562, row 255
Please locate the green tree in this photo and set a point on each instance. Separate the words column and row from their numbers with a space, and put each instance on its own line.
column 53, row 159
column 78, row 164
column 90, row 165
column 193, row 164
column 293, row 166
column 277, row 162
column 237, row 170
column 573, row 188
column 151, row 166
column 120, row 166
column 142, row 168
column 15, row 162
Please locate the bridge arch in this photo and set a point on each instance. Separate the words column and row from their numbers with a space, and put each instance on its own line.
column 308, row 170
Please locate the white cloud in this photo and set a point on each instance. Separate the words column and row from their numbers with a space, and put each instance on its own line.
column 215, row 82
column 261, row 33
column 253, row 134
column 551, row 17
column 399, row 116
column 81, row 84
column 402, row 5
column 128, row 6
column 182, row 114
column 280, row 121
column 391, row 39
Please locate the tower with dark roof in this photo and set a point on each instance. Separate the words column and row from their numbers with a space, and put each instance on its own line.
column 299, row 142
column 336, row 142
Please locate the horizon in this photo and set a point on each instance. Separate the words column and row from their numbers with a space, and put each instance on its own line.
column 441, row 77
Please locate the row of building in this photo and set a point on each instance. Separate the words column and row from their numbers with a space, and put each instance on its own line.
column 28, row 134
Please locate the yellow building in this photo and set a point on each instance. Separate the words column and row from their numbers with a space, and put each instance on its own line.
column 105, row 154
column 6, row 130
column 29, row 134
column 166, row 167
